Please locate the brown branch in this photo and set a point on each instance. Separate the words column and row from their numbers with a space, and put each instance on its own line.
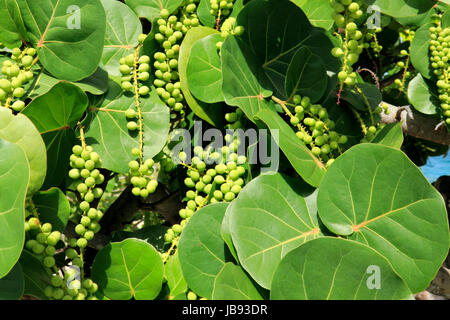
column 417, row 125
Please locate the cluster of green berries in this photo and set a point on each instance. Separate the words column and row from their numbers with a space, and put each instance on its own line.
column 16, row 73
column 224, row 6
column 371, row 36
column 214, row 176
column 315, row 128
column 135, row 70
column 85, row 163
column 439, row 57
column 43, row 241
column 400, row 83
column 345, row 14
column 171, row 31
column 234, row 119
column 142, row 179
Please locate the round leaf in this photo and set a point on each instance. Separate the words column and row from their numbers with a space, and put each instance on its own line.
column 375, row 195
column 269, row 218
column 202, row 252
column 128, row 269
column 12, row 285
column 319, row 12
column 420, row 47
column 350, row 271
column 53, row 207
column 151, row 9
column 21, row 131
column 14, row 173
column 421, row 96
column 204, row 71
column 68, row 34
column 174, row 276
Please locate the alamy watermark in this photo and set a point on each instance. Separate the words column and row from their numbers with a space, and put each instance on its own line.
column 74, row 20
column 374, row 20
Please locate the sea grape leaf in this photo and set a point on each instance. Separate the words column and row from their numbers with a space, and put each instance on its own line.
column 225, row 232
column 154, row 235
column 304, row 162
column 12, row 285
column 202, row 251
column 357, row 100
column 128, row 269
column 14, row 173
column 11, row 24
column 212, row 113
column 268, row 219
column 20, row 130
column 402, row 8
column 347, row 273
column 151, row 9
column 204, row 14
column 68, row 35
column 35, row 275
column 55, row 114
column 174, row 275
column 53, row 207
column 244, row 85
column 122, row 32
column 306, row 75
column 420, row 48
column 107, row 129
column 204, row 70
column 375, row 195
column 391, row 135
column 422, row 97
column 233, row 284
column 319, row 12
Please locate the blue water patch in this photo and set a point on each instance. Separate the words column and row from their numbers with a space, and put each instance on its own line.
column 436, row 167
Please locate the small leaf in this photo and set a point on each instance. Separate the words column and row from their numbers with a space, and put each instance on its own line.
column 402, row 8
column 122, row 32
column 12, row 285
column 174, row 275
column 391, row 135
column 68, row 34
column 351, row 271
column 204, row 71
column 204, row 14
column 53, row 207
column 304, row 162
column 154, row 235
column 375, row 195
column 225, row 232
column 151, row 9
column 201, row 250
column 14, row 173
column 420, row 48
column 269, row 218
column 20, row 130
column 358, row 94
column 232, row 283
column 319, row 12
column 35, row 275
column 128, row 269
column 11, row 24
column 422, row 97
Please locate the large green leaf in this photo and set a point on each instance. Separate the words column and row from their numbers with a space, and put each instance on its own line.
column 244, row 85
column 55, row 114
column 35, row 275
column 202, row 252
column 211, row 113
column 422, row 97
column 336, row 269
column 122, row 32
column 21, row 131
column 402, row 8
column 391, row 135
column 14, row 173
column 275, row 41
column 11, row 24
column 304, row 162
column 96, row 84
column 204, row 70
column 269, row 218
column 375, row 195
column 174, row 276
column 108, row 132
column 233, row 284
column 151, row 9
column 69, row 43
column 53, row 206
column 128, row 269
column 319, row 12
column 12, row 285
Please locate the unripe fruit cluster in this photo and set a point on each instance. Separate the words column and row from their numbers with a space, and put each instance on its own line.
column 228, row 28
column 346, row 12
column 134, row 71
column 224, row 6
column 315, row 128
column 235, row 119
column 16, row 73
column 439, row 57
column 43, row 242
column 214, row 176
column 141, row 177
